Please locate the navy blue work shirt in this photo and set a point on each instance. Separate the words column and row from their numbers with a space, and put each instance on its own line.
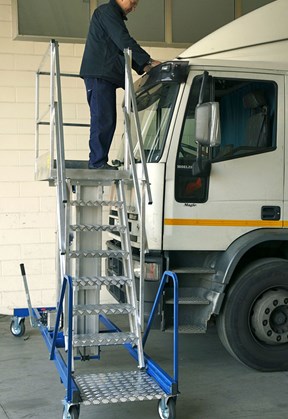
column 107, row 38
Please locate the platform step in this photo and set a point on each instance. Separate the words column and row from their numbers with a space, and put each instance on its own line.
column 105, row 339
column 98, row 227
column 100, row 280
column 98, row 253
column 193, row 300
column 118, row 387
column 88, row 309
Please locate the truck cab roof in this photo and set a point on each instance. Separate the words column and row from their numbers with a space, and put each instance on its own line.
column 256, row 40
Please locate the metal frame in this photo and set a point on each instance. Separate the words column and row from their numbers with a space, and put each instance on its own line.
column 168, row 384
column 56, row 339
column 53, row 340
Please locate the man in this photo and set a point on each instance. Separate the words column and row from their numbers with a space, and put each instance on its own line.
column 103, row 71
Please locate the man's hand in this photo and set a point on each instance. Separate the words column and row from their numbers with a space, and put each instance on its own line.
column 152, row 64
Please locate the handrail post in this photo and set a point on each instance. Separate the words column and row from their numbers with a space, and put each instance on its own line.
column 70, row 349
column 127, row 105
column 128, row 152
column 137, row 122
column 163, row 281
column 37, row 97
column 58, row 316
column 52, row 101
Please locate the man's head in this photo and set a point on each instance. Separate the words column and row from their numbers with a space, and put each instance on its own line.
column 127, row 5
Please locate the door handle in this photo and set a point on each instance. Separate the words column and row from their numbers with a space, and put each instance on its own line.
column 270, row 213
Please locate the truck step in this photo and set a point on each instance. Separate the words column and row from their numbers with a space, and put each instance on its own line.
column 188, row 329
column 89, row 309
column 193, row 270
column 97, row 227
column 87, row 281
column 104, row 339
column 98, row 253
column 193, row 300
column 117, row 387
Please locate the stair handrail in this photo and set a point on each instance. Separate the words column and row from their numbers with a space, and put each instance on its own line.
column 130, row 99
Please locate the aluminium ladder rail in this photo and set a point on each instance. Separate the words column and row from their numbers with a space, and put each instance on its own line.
column 81, row 196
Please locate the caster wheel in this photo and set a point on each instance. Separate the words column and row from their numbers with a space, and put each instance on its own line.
column 167, row 410
column 17, row 329
column 73, row 413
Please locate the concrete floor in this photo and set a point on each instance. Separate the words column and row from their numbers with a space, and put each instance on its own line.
column 212, row 384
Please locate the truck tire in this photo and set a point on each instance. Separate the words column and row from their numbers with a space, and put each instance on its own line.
column 253, row 323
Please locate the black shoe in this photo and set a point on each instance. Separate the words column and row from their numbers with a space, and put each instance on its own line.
column 104, row 166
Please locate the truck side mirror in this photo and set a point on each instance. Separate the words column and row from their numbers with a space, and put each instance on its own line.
column 207, row 124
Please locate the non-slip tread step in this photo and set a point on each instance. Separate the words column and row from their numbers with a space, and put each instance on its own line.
column 101, row 280
column 98, row 253
column 96, row 203
column 98, row 227
column 89, row 309
column 117, row 387
column 104, row 339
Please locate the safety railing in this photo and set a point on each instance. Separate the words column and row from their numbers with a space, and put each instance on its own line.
column 56, row 152
column 130, row 109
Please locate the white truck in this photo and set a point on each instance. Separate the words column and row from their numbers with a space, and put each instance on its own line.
column 215, row 137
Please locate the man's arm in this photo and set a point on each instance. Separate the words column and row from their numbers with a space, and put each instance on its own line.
column 116, row 29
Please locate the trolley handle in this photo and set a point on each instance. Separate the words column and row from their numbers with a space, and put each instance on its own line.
column 22, row 267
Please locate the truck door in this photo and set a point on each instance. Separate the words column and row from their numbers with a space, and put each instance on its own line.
column 244, row 189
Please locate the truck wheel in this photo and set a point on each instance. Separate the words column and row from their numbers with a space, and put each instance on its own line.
column 253, row 324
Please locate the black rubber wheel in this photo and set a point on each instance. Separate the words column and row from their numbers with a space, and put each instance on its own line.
column 167, row 410
column 17, row 329
column 253, row 324
column 74, row 412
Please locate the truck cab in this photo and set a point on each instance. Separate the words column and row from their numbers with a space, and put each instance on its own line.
column 213, row 126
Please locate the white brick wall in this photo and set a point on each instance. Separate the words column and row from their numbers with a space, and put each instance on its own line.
column 27, row 208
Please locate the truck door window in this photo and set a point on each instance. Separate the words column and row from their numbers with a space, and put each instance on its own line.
column 247, row 122
column 190, row 188
column 247, row 117
column 155, row 108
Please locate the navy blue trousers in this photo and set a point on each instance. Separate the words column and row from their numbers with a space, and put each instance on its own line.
column 101, row 97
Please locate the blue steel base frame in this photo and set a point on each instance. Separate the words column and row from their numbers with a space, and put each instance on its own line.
column 55, row 340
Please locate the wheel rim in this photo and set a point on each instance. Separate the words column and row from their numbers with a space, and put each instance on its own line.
column 15, row 328
column 166, row 409
column 163, row 410
column 269, row 318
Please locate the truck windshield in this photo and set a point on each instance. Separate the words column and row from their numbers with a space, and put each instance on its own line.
column 155, row 108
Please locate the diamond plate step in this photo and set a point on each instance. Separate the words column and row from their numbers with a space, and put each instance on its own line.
column 98, row 253
column 193, row 300
column 97, row 227
column 101, row 280
column 193, row 270
column 88, row 309
column 97, row 203
column 118, row 387
column 187, row 329
column 105, row 339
